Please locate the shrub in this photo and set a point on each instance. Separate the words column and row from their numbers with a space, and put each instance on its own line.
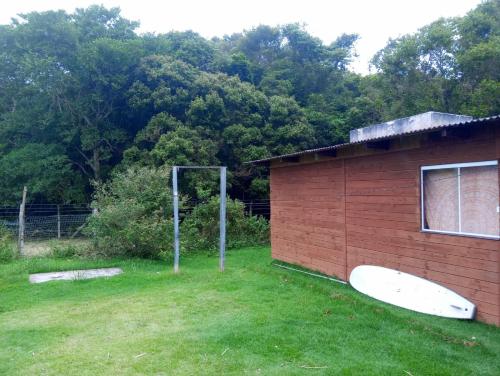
column 200, row 229
column 134, row 219
column 68, row 249
column 131, row 219
column 7, row 245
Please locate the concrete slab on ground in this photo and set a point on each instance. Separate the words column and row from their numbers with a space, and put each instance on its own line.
column 72, row 275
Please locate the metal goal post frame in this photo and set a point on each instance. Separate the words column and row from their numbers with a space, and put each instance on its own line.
column 222, row 212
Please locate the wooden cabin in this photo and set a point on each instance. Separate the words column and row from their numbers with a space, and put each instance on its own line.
column 419, row 194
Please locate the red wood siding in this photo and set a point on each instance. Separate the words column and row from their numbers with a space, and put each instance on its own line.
column 308, row 216
column 332, row 216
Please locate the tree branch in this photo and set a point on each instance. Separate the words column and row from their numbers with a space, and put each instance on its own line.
column 87, row 159
column 83, row 169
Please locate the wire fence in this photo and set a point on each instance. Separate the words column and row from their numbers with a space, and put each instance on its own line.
column 259, row 207
column 47, row 221
column 53, row 221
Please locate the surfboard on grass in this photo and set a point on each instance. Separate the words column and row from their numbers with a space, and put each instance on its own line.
column 410, row 292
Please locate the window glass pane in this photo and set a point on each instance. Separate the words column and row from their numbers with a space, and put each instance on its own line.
column 441, row 199
column 479, row 200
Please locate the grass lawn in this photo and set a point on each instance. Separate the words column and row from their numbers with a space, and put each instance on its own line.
column 253, row 318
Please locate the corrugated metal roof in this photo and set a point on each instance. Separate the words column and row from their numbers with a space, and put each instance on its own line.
column 474, row 122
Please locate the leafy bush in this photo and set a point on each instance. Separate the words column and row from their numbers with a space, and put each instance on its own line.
column 133, row 217
column 68, row 249
column 200, row 229
column 7, row 245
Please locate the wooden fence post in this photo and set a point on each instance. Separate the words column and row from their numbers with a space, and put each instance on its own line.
column 21, row 222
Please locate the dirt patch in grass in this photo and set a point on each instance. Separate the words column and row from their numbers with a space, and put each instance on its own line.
column 43, row 247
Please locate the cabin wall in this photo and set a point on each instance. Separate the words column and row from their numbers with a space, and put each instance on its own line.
column 308, row 216
column 335, row 215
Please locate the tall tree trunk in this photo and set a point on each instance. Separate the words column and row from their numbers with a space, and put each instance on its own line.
column 96, row 165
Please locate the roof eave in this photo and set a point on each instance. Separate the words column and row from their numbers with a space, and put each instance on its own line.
column 479, row 121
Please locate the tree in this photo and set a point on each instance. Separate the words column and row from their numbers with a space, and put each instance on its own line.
column 44, row 169
column 66, row 83
column 448, row 66
column 94, row 98
column 83, row 95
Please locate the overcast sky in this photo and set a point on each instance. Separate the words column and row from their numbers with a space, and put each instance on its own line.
column 375, row 21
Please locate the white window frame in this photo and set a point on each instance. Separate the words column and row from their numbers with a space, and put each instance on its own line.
column 457, row 166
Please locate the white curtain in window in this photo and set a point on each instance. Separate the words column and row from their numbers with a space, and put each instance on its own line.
column 479, row 200
column 441, row 199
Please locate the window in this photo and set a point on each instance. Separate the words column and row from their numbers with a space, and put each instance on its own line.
column 461, row 199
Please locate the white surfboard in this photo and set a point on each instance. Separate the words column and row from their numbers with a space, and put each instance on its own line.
column 410, row 292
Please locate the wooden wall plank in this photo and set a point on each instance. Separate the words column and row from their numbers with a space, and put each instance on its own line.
column 307, row 216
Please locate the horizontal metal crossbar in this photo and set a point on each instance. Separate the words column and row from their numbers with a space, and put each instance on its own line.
column 202, row 167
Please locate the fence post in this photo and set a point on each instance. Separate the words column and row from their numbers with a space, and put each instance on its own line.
column 251, row 208
column 20, row 243
column 58, row 222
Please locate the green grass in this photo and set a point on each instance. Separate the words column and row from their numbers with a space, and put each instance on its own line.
column 253, row 318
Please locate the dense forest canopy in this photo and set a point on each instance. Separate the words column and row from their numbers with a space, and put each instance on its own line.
column 83, row 94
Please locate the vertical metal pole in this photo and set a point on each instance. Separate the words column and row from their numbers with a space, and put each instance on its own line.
column 222, row 236
column 176, row 218
column 58, row 222
column 20, row 241
column 459, row 203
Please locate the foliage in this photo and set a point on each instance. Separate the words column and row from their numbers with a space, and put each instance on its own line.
column 445, row 66
column 69, row 249
column 45, row 169
column 134, row 219
column 132, row 215
column 84, row 95
column 7, row 246
column 200, row 229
